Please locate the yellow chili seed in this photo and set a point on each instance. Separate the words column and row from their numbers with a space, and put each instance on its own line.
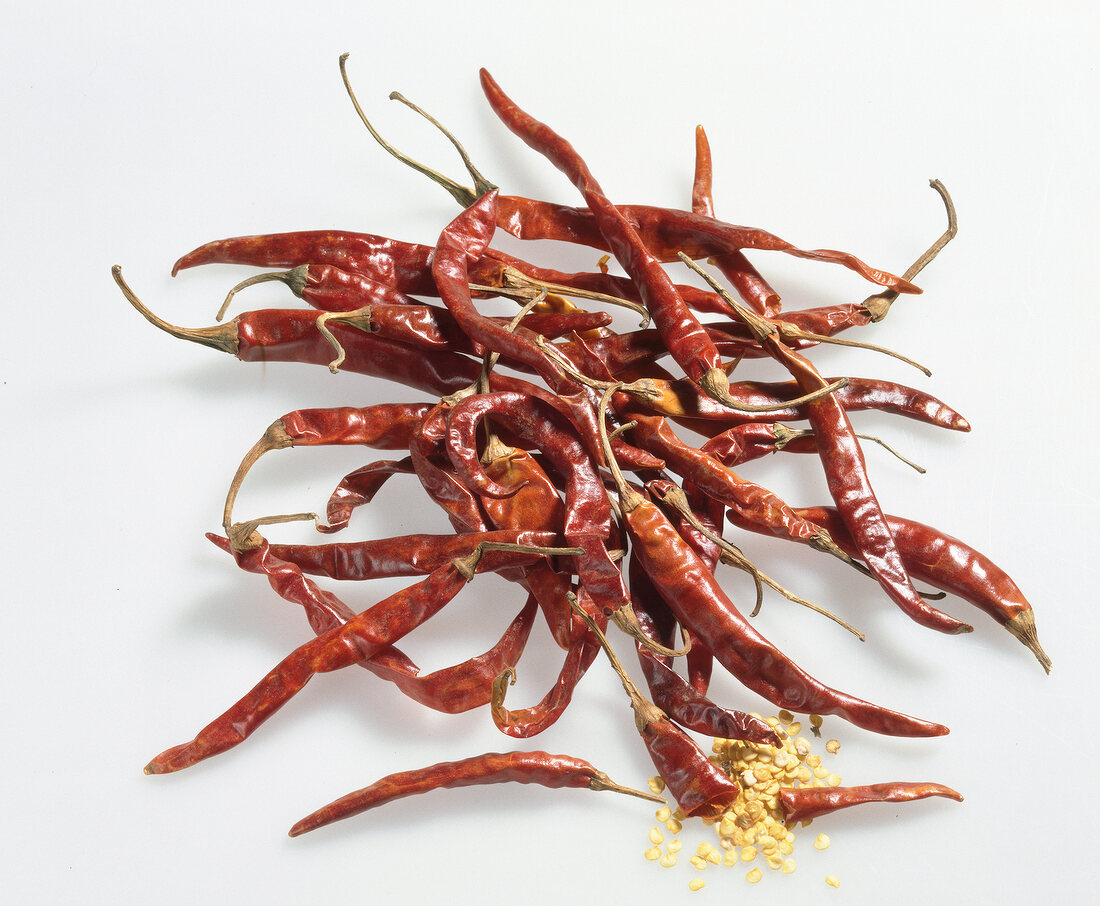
column 832, row 880
column 795, row 728
column 696, row 884
column 704, row 849
column 715, row 858
column 820, row 773
column 813, row 760
column 726, row 842
column 731, row 858
column 748, row 853
column 699, row 862
column 663, row 814
column 756, row 874
column 656, row 785
column 653, row 853
column 786, row 716
column 674, row 826
column 674, row 846
column 774, row 863
column 805, row 774
column 822, row 842
column 832, row 747
column 773, row 722
column 788, row 866
column 669, row 860
column 726, row 826
column 832, row 780
column 786, row 847
column 815, row 720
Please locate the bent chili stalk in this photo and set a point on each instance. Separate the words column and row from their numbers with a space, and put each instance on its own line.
column 554, row 771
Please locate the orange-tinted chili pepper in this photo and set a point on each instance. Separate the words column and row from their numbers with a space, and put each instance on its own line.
column 588, row 512
column 735, row 267
column 804, row 803
column 554, row 771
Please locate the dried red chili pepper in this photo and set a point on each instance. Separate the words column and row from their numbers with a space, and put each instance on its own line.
column 735, row 267
column 806, row 802
column 554, row 771
column 358, row 488
column 699, row 603
column 355, row 641
column 948, row 564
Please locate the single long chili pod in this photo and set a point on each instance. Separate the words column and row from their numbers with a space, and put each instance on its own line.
column 465, row 686
column 355, row 641
column 735, row 267
column 404, row 555
column 850, row 486
column 404, row 266
column 358, row 488
column 804, row 803
column 950, row 565
column 554, row 771
column 701, row 604
column 685, row 338
column 524, row 723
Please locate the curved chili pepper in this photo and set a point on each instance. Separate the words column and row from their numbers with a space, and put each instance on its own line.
column 948, row 564
column 588, row 512
column 358, row 488
column 700, row 603
column 735, row 267
column 522, row 723
column 806, row 802
column 685, row 338
column 744, row 443
column 554, row 771
column 355, row 641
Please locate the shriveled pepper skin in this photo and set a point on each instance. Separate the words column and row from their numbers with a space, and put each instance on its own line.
column 542, row 768
column 807, row 802
column 699, row 603
column 701, row 788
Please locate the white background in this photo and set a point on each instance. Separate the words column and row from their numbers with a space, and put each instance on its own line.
column 135, row 132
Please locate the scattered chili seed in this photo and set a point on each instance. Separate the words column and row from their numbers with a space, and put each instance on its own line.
column 832, row 880
column 753, row 876
column 822, row 842
column 696, row 884
column 832, row 747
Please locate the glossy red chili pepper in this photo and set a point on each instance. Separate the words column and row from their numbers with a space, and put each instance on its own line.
column 685, row 338
column 355, row 641
column 850, row 488
column 359, row 487
column 665, row 231
column 554, row 771
column 804, row 803
column 744, row 443
column 948, row 564
column 522, row 723
column 588, row 512
column 700, row 603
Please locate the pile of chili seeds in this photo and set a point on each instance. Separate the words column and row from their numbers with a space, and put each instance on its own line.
column 531, row 477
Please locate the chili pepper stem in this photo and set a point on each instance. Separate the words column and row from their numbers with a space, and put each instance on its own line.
column 1023, row 627
column 467, row 565
column 627, row 621
column 716, row 384
column 360, row 318
column 274, row 438
column 602, row 782
column 296, row 278
column 222, row 337
column 878, row 305
column 243, row 535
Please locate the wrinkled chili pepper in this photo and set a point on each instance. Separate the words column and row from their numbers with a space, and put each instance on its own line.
column 950, row 565
column 806, row 802
column 358, row 488
column 355, row 641
column 554, row 771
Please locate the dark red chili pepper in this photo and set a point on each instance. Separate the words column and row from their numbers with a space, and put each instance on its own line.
column 355, row 641
column 700, row 603
column 850, row 487
column 588, row 512
column 685, row 338
column 554, row 771
column 806, row 802
column 744, row 443
column 580, row 652
column 948, row 564
column 359, row 487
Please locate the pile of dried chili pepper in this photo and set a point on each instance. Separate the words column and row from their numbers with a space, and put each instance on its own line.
column 595, row 470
